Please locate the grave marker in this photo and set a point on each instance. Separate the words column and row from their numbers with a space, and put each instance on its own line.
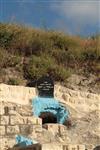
column 45, row 87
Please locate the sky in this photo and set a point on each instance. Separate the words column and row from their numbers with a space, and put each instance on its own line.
column 76, row 17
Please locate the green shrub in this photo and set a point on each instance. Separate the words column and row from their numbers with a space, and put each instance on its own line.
column 38, row 66
column 13, row 61
column 90, row 54
column 6, row 35
column 3, row 57
column 41, row 44
column 8, row 60
column 61, row 74
column 47, row 52
column 59, row 41
column 14, row 81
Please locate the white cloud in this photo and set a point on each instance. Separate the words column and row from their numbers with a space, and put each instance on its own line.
column 79, row 12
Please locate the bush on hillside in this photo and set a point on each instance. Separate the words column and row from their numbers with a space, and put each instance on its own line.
column 14, row 81
column 5, row 37
column 39, row 66
column 8, row 60
column 3, row 57
column 47, row 52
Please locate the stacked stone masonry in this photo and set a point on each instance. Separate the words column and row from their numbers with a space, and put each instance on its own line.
column 62, row 147
column 13, row 123
column 56, row 128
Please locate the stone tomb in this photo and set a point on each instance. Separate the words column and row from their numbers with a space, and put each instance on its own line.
column 45, row 105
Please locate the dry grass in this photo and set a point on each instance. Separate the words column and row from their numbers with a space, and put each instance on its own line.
column 62, row 52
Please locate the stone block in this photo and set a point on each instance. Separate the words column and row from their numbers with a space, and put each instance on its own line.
column 90, row 147
column 90, row 96
column 6, row 110
column 37, row 128
column 72, row 100
column 4, row 120
column 81, row 147
column 34, row 121
column 74, row 147
column 6, row 143
column 2, row 130
column 12, row 111
column 39, row 121
column 24, row 110
column 26, row 129
column 52, row 146
column 31, row 120
column 65, row 97
column 29, row 129
column 13, row 130
column 1, row 110
column 17, row 120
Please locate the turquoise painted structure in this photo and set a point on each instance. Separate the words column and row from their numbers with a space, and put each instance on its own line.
column 42, row 104
column 23, row 141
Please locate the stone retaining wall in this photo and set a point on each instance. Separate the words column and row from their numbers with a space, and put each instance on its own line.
column 12, row 124
column 78, row 99
column 16, row 94
column 56, row 128
column 78, row 103
column 62, row 147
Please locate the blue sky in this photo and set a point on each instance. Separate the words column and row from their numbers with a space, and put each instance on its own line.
column 81, row 17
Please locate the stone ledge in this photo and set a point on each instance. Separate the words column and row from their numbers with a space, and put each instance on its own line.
column 19, row 120
column 34, row 120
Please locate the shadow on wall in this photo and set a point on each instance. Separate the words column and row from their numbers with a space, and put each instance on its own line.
column 48, row 117
column 97, row 147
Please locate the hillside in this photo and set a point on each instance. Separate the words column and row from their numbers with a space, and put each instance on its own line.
column 27, row 53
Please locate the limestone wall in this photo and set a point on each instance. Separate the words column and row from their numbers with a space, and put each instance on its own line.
column 55, row 146
column 16, row 94
column 12, row 124
column 82, row 101
column 56, row 128
column 80, row 104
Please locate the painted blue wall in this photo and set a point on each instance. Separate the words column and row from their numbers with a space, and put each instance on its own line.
column 51, row 105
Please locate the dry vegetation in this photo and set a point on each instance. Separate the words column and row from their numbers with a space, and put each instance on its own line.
column 32, row 53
